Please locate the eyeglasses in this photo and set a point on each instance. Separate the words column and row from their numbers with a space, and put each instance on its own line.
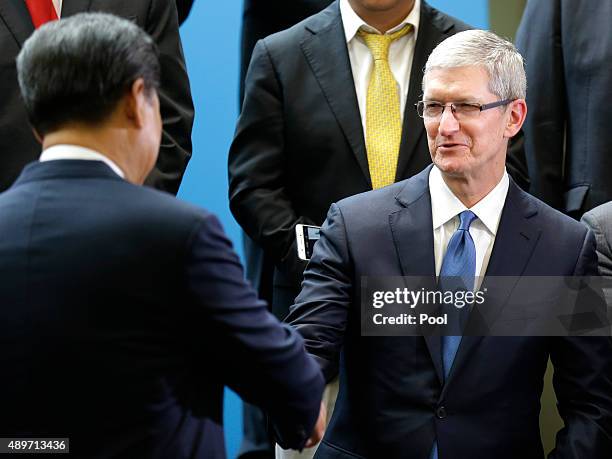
column 431, row 110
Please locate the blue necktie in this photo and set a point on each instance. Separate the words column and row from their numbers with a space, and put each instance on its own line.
column 457, row 272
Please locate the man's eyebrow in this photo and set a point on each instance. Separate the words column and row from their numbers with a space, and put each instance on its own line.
column 467, row 100
column 461, row 100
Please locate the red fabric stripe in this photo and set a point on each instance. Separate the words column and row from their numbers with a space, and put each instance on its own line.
column 41, row 11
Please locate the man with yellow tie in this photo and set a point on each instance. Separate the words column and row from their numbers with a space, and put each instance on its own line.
column 324, row 117
column 327, row 113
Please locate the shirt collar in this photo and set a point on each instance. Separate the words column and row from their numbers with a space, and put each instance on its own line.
column 445, row 205
column 352, row 22
column 77, row 152
column 57, row 4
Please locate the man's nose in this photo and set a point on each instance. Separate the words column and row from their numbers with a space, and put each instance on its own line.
column 448, row 122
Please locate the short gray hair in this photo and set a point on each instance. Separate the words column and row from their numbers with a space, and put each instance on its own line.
column 77, row 69
column 500, row 58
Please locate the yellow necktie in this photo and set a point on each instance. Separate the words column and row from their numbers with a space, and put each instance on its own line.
column 383, row 120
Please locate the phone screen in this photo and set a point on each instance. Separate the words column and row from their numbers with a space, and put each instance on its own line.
column 311, row 234
column 307, row 236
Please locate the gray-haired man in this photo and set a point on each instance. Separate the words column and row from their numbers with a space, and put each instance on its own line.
column 452, row 397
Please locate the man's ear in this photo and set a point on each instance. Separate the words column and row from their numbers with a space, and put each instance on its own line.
column 133, row 106
column 516, row 118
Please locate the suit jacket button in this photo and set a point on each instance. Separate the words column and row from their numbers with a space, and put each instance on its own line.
column 441, row 412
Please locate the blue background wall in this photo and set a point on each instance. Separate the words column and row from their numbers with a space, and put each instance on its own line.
column 211, row 38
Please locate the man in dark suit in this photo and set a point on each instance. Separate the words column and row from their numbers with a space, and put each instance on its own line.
column 453, row 397
column 116, row 298
column 260, row 19
column 300, row 142
column 159, row 19
column 567, row 47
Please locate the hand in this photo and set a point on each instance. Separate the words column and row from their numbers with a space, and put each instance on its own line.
column 319, row 428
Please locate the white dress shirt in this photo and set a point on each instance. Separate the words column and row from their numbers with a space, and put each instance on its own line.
column 445, row 210
column 401, row 53
column 57, row 152
column 57, row 4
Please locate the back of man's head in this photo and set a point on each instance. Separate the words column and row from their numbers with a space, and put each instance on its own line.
column 77, row 69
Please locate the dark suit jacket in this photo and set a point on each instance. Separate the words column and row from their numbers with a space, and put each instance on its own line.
column 567, row 48
column 261, row 18
column 159, row 19
column 299, row 143
column 392, row 402
column 124, row 313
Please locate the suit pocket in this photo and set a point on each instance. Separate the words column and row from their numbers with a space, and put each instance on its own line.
column 575, row 197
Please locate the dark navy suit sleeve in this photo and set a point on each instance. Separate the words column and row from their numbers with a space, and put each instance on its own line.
column 583, row 383
column 262, row 360
column 322, row 307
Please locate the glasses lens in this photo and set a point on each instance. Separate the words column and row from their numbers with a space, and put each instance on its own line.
column 466, row 109
column 432, row 109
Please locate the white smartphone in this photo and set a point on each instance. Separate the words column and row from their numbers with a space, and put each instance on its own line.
column 306, row 236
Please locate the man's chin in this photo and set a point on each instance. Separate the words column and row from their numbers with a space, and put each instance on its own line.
column 450, row 168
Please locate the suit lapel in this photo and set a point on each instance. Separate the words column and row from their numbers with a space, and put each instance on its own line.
column 432, row 30
column 411, row 227
column 515, row 241
column 72, row 7
column 326, row 52
column 412, row 231
column 17, row 18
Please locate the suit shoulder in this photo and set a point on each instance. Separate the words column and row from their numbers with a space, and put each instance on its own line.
column 382, row 200
column 159, row 205
column 293, row 35
column 554, row 220
column 286, row 37
column 601, row 214
column 599, row 220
